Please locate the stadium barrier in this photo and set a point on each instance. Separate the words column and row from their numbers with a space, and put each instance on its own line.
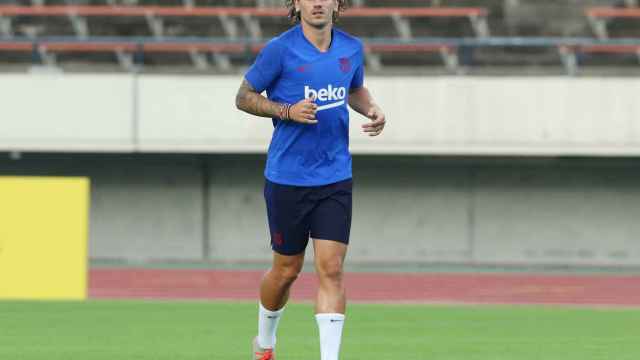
column 519, row 116
column 129, row 51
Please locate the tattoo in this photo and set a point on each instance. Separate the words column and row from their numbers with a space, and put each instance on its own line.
column 250, row 101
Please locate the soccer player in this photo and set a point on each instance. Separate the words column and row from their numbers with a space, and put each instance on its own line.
column 310, row 73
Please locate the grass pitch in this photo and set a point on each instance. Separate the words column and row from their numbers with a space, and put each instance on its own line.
column 137, row 330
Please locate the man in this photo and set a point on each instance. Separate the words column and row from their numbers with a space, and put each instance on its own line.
column 310, row 73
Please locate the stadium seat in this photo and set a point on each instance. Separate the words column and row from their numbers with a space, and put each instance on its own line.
column 229, row 16
column 599, row 17
column 406, row 33
column 139, row 19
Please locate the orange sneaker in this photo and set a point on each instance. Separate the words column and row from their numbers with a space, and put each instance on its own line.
column 260, row 353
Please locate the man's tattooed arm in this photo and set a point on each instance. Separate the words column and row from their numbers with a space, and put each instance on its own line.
column 250, row 101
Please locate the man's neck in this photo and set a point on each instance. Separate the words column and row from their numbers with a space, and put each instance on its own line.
column 319, row 37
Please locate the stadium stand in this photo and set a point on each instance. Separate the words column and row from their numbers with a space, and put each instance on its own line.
column 186, row 22
column 601, row 17
column 156, row 17
column 224, row 35
column 622, row 19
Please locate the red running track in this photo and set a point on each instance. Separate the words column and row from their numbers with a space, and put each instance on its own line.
column 586, row 290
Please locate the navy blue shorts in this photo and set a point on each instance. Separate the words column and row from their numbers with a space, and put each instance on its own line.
column 296, row 213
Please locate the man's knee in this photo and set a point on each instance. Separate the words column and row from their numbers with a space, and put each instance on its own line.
column 287, row 274
column 330, row 270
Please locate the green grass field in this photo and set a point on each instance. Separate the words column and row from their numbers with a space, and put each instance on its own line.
column 128, row 330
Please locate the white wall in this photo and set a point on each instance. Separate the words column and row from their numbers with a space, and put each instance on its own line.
column 197, row 113
column 66, row 112
column 427, row 115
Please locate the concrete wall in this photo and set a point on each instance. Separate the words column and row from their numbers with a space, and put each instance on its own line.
column 141, row 208
column 406, row 209
column 60, row 112
column 427, row 115
column 524, row 210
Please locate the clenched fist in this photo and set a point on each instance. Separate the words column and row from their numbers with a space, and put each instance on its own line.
column 304, row 111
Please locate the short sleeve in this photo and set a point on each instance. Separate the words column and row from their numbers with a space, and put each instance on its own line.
column 358, row 76
column 266, row 68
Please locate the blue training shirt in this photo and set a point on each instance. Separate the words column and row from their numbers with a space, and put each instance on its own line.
column 290, row 69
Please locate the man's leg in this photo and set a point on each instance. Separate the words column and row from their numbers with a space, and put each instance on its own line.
column 274, row 289
column 330, row 226
column 289, row 232
column 274, row 293
column 329, row 259
column 331, row 300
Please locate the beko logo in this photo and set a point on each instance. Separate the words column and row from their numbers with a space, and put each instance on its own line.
column 328, row 94
column 331, row 93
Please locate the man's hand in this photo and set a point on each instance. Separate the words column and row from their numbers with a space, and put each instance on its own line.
column 304, row 111
column 375, row 127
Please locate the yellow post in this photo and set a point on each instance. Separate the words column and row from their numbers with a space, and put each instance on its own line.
column 43, row 237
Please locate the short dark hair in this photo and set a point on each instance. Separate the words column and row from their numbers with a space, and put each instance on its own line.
column 294, row 15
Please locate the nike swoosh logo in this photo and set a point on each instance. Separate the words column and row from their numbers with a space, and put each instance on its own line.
column 334, row 320
column 271, row 317
column 330, row 106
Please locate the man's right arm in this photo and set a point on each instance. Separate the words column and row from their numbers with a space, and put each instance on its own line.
column 248, row 100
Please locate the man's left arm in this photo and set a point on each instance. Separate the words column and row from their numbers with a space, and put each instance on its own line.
column 360, row 100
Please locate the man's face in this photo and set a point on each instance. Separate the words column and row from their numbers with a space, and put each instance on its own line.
column 317, row 13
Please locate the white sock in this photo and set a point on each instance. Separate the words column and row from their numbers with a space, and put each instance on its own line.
column 330, row 327
column 267, row 327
